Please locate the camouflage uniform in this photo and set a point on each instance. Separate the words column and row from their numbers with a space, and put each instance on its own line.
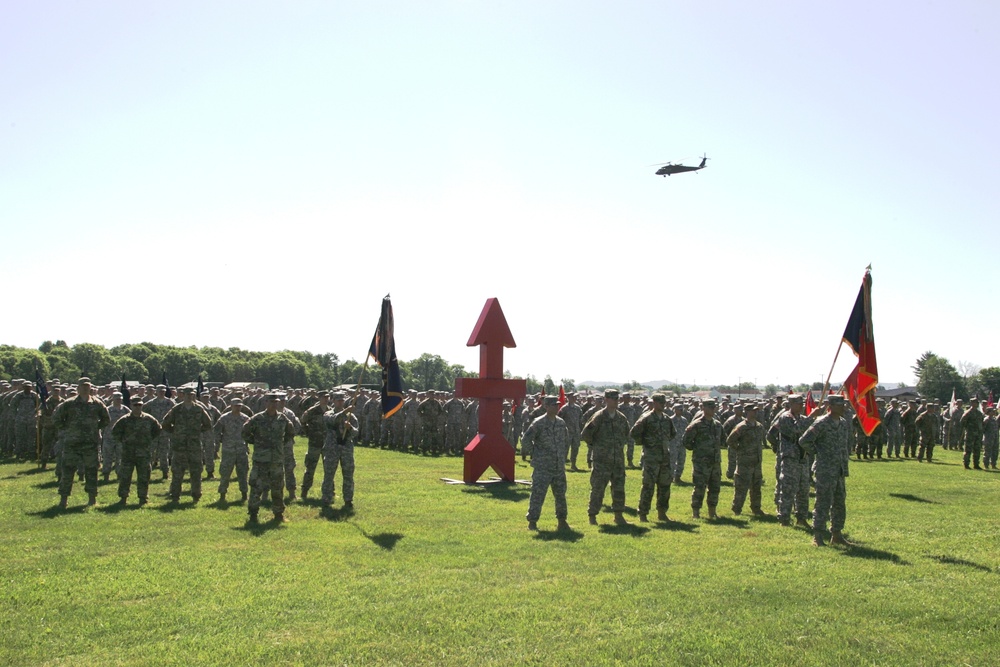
column 972, row 435
column 338, row 451
column 893, row 430
column 111, row 448
column 429, row 413
column 290, row 453
column 135, row 436
column 268, row 434
column 235, row 453
column 653, row 432
column 24, row 411
column 548, row 439
column 908, row 423
column 703, row 438
column 159, row 407
column 48, row 436
column 606, row 434
column 79, row 422
column 746, row 441
column 209, row 443
column 793, row 466
column 314, row 426
column 827, row 439
column 678, row 455
column 185, row 423
column 991, row 440
column 572, row 414
column 454, row 426
column 928, row 426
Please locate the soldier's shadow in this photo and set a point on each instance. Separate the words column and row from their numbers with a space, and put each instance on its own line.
column 51, row 484
column 630, row 529
column 54, row 511
column 677, row 526
column 258, row 528
column 729, row 521
column 867, row 553
column 336, row 513
column 170, row 507
column 116, row 508
column 559, row 535
column 32, row 471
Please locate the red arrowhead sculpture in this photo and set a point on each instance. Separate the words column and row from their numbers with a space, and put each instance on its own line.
column 489, row 449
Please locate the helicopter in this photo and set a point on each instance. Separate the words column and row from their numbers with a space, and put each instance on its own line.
column 670, row 168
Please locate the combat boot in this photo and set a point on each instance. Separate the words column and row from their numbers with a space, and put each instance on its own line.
column 279, row 517
column 222, row 499
column 593, row 520
column 123, row 500
column 801, row 523
column 62, row 502
column 532, row 525
column 243, row 496
column 695, row 513
column 291, row 495
column 107, row 476
column 661, row 515
column 643, row 518
column 620, row 519
column 712, row 514
column 142, row 501
column 92, row 500
column 784, row 521
column 253, row 516
column 836, row 537
column 305, row 492
column 818, row 539
column 563, row 525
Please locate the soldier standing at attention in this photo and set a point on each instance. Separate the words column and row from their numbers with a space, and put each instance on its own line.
column 928, row 426
column 678, row 455
column 79, row 422
column 972, row 433
column 229, row 428
column 703, row 438
column 315, row 430
column 159, row 407
column 827, row 439
column 991, row 438
column 746, row 441
column 893, row 429
column 267, row 431
column 110, row 446
column 606, row 434
column 338, row 451
column 572, row 414
column 548, row 439
column 185, row 423
column 135, row 433
column 793, row 464
column 654, row 431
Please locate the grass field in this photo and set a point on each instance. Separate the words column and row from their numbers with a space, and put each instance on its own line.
column 423, row 573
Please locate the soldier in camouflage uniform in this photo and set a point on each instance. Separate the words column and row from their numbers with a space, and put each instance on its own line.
column 454, row 426
column 908, row 423
column 289, row 446
column 268, row 431
column 678, row 455
column 703, row 438
column 632, row 413
column 735, row 417
column 827, row 439
column 429, row 414
column 24, row 411
column 572, row 414
column 79, row 422
column 972, row 434
column 159, row 407
column 928, row 426
column 991, row 438
column 411, row 421
column 209, row 443
column 793, row 463
column 606, row 434
column 235, row 452
column 893, row 429
column 746, row 441
column 48, row 435
column 314, row 426
column 338, row 451
column 135, row 432
column 548, row 438
column 185, row 423
column 110, row 445
column 654, row 431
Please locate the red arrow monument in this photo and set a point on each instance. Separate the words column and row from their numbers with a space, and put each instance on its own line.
column 489, row 448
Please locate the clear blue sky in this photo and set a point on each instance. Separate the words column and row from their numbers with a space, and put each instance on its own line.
column 260, row 174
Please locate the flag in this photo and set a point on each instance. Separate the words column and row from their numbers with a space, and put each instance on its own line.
column 383, row 351
column 126, row 394
column 953, row 406
column 43, row 391
column 860, row 384
column 201, row 387
column 990, row 404
column 810, row 403
column 562, row 396
column 166, row 384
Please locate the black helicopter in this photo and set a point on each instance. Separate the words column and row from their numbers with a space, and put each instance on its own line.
column 670, row 168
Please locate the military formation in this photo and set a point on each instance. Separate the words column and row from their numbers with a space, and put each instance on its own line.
column 88, row 432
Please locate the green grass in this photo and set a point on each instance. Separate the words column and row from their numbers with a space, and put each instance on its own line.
column 424, row 573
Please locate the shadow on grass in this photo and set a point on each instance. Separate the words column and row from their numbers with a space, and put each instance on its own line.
column 728, row 521
column 115, row 508
column 558, row 535
column 913, row 498
column 867, row 553
column 260, row 527
column 949, row 560
column 510, row 492
column 170, row 506
column 54, row 511
column 336, row 514
column 51, row 484
column 678, row 526
column 33, row 471
column 630, row 529
column 763, row 518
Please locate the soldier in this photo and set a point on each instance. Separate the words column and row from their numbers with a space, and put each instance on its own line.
column 928, row 426
column 746, row 441
column 79, row 422
column 827, row 439
column 908, row 422
column 454, row 426
column 678, row 455
column 338, row 451
column 991, row 438
column 314, row 426
column 411, row 421
column 159, row 407
column 235, row 452
column 548, row 439
column 572, row 414
column 972, row 434
column 793, row 464
column 703, row 438
column 735, row 417
column 289, row 446
column 606, row 434
column 24, row 412
column 209, row 443
column 654, row 431
column 135, row 433
column 185, row 423
column 110, row 445
column 268, row 431
column 628, row 408
column 429, row 414
column 48, row 436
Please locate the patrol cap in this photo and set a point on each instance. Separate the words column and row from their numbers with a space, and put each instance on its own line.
column 611, row 393
column 271, row 396
column 188, row 390
column 116, row 393
column 835, row 399
column 750, row 406
column 236, row 401
column 338, row 396
column 137, row 401
column 83, row 380
column 708, row 403
column 659, row 398
column 551, row 400
column 794, row 398
column 161, row 386
column 323, row 392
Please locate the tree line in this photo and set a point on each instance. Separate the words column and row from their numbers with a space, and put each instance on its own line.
column 938, row 378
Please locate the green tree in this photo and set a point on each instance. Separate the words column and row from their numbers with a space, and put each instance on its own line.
column 938, row 379
column 549, row 386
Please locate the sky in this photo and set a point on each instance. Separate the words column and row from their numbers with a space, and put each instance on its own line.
column 261, row 174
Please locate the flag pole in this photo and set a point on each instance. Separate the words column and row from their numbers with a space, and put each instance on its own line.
column 826, row 385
